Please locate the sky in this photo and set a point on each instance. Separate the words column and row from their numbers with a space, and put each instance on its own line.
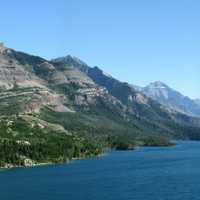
column 136, row 41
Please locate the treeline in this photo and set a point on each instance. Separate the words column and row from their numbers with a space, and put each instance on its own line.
column 63, row 149
column 55, row 151
column 20, row 140
column 24, row 137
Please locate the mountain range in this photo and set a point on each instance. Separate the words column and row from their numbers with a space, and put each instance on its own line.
column 56, row 110
column 171, row 98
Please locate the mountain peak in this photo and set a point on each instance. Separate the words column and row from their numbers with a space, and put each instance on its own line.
column 167, row 96
column 70, row 60
column 2, row 47
column 63, row 59
column 158, row 85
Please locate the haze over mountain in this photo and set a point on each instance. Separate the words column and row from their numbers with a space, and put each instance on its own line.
column 171, row 98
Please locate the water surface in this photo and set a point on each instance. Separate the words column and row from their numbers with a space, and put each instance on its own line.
column 145, row 174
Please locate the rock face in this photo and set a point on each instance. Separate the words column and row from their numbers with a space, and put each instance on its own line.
column 28, row 163
column 53, row 109
column 171, row 98
column 12, row 73
column 19, row 81
column 2, row 48
column 88, row 95
column 67, row 84
column 133, row 99
column 73, row 62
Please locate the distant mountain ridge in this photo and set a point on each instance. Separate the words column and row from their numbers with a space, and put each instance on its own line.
column 135, row 101
column 167, row 96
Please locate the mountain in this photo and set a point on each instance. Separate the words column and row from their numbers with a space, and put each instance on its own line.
column 139, row 106
column 197, row 101
column 172, row 99
column 53, row 111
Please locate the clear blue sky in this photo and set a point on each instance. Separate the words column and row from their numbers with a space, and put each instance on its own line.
column 138, row 41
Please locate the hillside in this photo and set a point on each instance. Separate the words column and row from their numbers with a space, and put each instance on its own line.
column 140, row 107
column 172, row 98
column 54, row 111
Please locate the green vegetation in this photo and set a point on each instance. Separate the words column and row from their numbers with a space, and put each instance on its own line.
column 122, row 143
column 52, row 137
column 156, row 141
column 120, row 118
column 29, row 138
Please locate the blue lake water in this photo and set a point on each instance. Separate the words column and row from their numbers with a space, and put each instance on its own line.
column 145, row 174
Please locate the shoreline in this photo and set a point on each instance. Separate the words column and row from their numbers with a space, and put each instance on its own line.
column 10, row 166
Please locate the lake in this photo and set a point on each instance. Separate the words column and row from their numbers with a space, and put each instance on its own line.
column 145, row 174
